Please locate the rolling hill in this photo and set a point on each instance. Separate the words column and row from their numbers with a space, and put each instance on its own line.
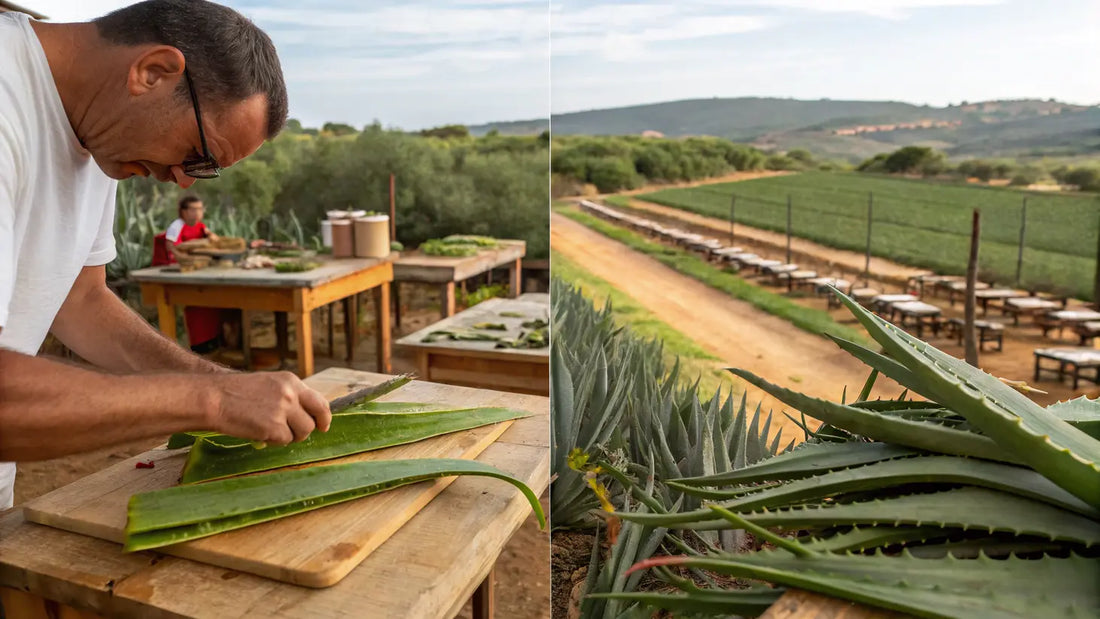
column 851, row 130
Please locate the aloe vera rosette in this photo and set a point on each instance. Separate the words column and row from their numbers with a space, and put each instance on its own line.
column 183, row 513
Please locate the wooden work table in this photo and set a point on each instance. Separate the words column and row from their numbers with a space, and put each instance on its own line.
column 441, row 556
column 481, row 363
column 295, row 294
column 445, row 271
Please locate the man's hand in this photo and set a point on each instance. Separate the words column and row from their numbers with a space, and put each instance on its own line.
column 276, row 408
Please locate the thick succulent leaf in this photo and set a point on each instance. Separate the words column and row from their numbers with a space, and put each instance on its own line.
column 183, row 513
column 1061, row 452
column 1082, row 413
column 988, row 545
column 803, row 461
column 348, row 434
column 965, row 508
column 871, row 537
column 949, row 588
column 368, row 394
column 888, row 428
column 947, row 470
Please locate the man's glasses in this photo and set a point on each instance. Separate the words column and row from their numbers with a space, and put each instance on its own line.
column 206, row 166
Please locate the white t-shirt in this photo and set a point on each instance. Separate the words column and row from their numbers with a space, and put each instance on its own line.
column 56, row 205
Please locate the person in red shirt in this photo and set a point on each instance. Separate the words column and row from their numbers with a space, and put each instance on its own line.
column 203, row 323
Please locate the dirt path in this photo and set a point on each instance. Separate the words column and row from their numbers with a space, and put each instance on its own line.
column 734, row 330
column 849, row 262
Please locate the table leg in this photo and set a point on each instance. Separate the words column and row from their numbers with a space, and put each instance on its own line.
column 397, row 304
column 1036, row 379
column 303, row 327
column 351, row 325
column 166, row 317
column 448, row 294
column 281, row 337
column 385, row 331
column 331, row 329
column 483, row 598
column 515, row 272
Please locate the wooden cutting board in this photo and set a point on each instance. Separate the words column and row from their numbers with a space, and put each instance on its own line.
column 314, row 549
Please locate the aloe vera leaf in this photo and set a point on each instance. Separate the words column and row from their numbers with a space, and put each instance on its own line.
column 890, row 406
column 370, row 393
column 1082, row 413
column 804, row 461
column 887, row 428
column 965, row 508
column 724, row 603
column 990, row 547
column 348, row 434
column 885, row 474
column 183, row 513
column 180, row 440
column 868, row 537
column 1061, row 452
column 1010, row 588
column 361, row 400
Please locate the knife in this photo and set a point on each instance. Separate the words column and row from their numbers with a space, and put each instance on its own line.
column 366, row 394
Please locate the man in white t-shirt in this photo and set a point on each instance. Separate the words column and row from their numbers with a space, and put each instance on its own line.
column 174, row 89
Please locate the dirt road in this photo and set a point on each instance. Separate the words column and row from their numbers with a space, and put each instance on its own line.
column 734, row 330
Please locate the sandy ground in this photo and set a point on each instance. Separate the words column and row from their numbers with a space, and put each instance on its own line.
column 523, row 569
column 737, row 332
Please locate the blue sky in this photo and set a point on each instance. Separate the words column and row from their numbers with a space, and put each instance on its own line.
column 422, row 63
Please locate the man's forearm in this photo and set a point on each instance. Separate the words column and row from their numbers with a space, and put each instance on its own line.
column 49, row 410
column 103, row 330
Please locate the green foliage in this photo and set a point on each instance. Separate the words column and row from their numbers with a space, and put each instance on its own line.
column 493, row 186
column 919, row 223
column 625, row 162
column 446, row 132
column 933, row 528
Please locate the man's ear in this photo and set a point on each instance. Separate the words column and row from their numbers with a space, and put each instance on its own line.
column 156, row 69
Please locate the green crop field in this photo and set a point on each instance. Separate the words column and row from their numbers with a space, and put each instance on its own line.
column 918, row 223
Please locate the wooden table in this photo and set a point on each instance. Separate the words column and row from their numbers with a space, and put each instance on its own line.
column 480, row 363
column 1080, row 359
column 988, row 331
column 294, row 294
column 424, row 570
column 920, row 313
column 960, row 287
column 445, row 271
column 1026, row 305
column 882, row 302
column 985, row 296
column 1061, row 319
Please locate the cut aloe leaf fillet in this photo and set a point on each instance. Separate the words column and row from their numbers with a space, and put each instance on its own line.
column 184, row 513
column 216, row 457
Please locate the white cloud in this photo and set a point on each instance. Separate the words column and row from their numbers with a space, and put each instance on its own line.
column 885, row 9
column 630, row 42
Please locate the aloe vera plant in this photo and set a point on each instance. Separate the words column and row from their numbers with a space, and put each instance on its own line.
column 183, row 513
column 901, row 504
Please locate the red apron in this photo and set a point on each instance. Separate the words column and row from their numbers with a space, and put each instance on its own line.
column 203, row 323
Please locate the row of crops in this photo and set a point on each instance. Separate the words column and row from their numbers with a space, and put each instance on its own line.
column 962, row 498
column 918, row 223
